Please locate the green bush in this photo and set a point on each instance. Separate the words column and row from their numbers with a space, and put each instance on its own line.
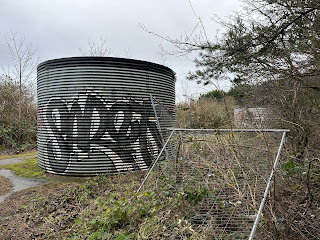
column 236, row 93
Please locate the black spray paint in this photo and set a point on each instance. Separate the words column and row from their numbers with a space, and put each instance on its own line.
column 89, row 124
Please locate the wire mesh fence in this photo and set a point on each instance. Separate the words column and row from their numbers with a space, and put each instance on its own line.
column 215, row 181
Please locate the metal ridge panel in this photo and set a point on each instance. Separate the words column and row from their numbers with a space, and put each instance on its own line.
column 105, row 61
column 95, row 115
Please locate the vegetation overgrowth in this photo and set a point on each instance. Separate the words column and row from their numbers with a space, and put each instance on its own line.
column 18, row 129
column 272, row 51
column 104, row 208
column 206, row 112
column 108, row 207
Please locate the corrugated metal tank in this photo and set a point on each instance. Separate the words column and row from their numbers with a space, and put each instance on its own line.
column 96, row 116
column 251, row 117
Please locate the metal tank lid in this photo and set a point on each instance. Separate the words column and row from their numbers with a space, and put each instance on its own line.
column 105, row 62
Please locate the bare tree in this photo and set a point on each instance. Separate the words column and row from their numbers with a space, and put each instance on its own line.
column 99, row 49
column 22, row 55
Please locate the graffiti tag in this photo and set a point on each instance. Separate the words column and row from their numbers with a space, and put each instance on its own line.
column 90, row 125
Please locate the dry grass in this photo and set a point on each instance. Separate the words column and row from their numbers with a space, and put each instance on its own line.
column 220, row 179
column 206, row 113
column 209, row 189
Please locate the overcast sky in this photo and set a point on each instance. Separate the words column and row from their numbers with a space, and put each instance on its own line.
column 59, row 28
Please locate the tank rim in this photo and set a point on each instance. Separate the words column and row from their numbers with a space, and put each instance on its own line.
column 95, row 60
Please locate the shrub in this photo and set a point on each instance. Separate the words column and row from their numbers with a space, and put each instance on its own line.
column 206, row 113
column 17, row 116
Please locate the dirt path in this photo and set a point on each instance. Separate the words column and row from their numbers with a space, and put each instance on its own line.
column 21, row 216
column 19, row 183
column 11, row 183
column 15, row 160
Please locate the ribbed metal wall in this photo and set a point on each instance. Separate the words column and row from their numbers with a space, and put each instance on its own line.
column 95, row 114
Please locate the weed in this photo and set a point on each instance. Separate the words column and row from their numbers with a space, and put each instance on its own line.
column 291, row 168
column 197, row 195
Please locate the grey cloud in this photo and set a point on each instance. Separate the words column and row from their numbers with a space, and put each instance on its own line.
column 59, row 28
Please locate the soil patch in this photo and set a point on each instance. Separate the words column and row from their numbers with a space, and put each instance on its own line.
column 6, row 185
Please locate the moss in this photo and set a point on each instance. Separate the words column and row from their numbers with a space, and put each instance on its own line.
column 28, row 169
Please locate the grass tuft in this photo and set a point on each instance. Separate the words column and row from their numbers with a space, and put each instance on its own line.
column 28, row 169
